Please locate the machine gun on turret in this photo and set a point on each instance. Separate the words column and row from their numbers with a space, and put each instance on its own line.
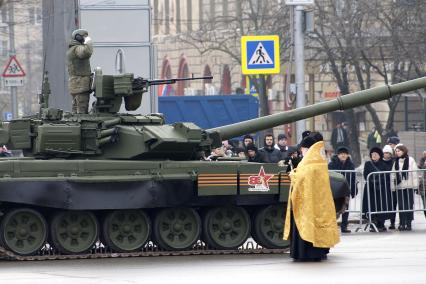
column 110, row 89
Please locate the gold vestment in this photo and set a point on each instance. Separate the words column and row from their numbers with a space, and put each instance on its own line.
column 311, row 200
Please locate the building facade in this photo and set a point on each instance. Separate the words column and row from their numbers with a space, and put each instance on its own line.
column 27, row 23
column 177, row 22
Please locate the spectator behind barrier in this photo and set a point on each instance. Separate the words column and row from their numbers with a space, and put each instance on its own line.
column 406, row 183
column 268, row 152
column 388, row 159
column 376, row 196
column 247, row 139
column 422, row 184
column 342, row 162
column 253, row 154
column 393, row 141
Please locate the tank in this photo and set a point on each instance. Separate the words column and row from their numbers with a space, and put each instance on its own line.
column 119, row 184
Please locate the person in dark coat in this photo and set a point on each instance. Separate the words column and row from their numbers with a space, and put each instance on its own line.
column 339, row 136
column 342, row 162
column 388, row 159
column 374, row 139
column 406, row 184
column 422, row 185
column 293, row 158
column 253, row 154
column 247, row 139
column 268, row 152
column 376, row 196
column 282, row 146
column 393, row 141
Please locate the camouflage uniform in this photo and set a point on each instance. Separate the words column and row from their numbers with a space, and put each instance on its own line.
column 79, row 71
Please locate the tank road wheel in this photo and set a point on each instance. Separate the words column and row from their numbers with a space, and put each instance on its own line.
column 177, row 228
column 23, row 231
column 268, row 227
column 74, row 232
column 226, row 227
column 126, row 230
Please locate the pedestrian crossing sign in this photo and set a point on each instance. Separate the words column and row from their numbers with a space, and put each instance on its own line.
column 260, row 54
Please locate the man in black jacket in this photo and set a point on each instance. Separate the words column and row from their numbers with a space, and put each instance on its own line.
column 268, row 152
column 282, row 146
column 342, row 162
column 339, row 137
column 252, row 154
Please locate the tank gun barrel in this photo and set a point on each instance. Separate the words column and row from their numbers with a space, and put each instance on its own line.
column 341, row 103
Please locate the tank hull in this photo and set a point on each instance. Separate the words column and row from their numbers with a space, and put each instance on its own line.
column 106, row 185
column 71, row 204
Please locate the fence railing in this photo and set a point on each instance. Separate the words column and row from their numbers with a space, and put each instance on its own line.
column 392, row 193
column 385, row 196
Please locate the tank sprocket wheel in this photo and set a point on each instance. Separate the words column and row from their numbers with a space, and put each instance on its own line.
column 176, row 228
column 126, row 230
column 226, row 227
column 23, row 231
column 268, row 227
column 74, row 232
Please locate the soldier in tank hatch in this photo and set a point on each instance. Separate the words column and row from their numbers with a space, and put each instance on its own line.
column 78, row 60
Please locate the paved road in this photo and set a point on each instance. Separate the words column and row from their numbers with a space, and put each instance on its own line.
column 391, row 257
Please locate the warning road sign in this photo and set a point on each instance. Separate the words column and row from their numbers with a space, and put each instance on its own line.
column 13, row 68
column 260, row 54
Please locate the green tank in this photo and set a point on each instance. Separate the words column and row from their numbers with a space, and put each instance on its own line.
column 103, row 182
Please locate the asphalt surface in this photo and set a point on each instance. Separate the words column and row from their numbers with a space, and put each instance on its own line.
column 361, row 257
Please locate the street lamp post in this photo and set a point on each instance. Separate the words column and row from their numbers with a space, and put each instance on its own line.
column 300, row 66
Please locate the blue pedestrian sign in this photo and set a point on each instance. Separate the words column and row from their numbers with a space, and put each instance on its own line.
column 260, row 54
column 7, row 116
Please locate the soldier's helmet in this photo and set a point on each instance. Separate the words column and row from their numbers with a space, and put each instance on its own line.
column 79, row 35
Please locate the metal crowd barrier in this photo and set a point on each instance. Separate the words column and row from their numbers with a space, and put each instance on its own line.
column 385, row 199
column 355, row 203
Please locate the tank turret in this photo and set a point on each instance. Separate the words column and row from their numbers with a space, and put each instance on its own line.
column 106, row 134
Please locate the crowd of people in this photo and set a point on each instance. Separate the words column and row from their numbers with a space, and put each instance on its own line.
column 391, row 188
column 271, row 152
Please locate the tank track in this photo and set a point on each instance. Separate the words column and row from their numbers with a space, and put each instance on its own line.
column 150, row 250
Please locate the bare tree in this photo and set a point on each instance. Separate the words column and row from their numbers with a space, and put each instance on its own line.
column 252, row 17
column 400, row 44
column 373, row 39
column 337, row 28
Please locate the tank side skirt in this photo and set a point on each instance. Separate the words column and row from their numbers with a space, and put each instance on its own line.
column 113, row 195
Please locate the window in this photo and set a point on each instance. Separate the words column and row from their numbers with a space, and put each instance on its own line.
column 200, row 14
column 34, row 15
column 225, row 9
column 3, row 16
column 3, row 47
column 212, row 9
column 156, row 21
column 189, row 14
column 167, row 17
column 178, row 18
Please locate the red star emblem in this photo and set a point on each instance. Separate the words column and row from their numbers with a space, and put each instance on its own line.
column 261, row 179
